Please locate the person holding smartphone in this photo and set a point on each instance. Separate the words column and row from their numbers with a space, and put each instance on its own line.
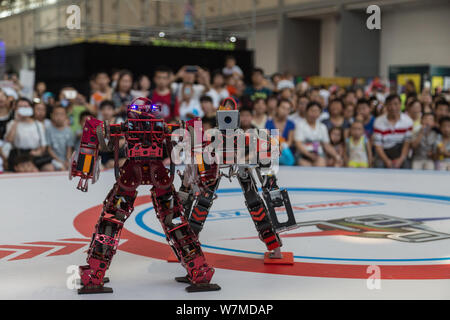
column 28, row 137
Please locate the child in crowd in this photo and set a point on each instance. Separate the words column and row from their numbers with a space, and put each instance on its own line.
column 364, row 114
column 443, row 145
column 422, row 144
column 60, row 139
column 337, row 142
column 82, row 120
column 358, row 148
column 107, row 113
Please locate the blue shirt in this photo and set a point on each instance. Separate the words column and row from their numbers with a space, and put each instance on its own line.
column 290, row 125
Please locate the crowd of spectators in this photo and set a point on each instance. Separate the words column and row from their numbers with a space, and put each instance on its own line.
column 357, row 127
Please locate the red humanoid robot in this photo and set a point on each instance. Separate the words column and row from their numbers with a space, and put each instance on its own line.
column 148, row 141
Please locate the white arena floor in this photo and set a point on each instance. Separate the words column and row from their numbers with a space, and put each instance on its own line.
column 355, row 226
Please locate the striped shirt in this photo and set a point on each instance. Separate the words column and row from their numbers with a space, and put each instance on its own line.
column 387, row 135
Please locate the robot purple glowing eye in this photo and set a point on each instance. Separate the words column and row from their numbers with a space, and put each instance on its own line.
column 155, row 107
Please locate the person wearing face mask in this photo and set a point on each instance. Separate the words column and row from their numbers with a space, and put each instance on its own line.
column 28, row 137
column 189, row 107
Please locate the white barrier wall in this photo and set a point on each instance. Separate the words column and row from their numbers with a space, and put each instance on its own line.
column 415, row 36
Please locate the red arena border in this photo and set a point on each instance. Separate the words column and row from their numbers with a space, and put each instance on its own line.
column 135, row 244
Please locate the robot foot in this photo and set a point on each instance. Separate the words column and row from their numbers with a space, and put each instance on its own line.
column 203, row 287
column 94, row 290
column 184, row 279
column 105, row 280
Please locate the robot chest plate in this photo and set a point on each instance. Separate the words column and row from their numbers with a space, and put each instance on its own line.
column 138, row 151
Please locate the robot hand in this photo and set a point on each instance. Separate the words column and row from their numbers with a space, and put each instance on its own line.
column 85, row 161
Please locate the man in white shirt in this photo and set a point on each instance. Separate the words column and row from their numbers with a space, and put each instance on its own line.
column 392, row 136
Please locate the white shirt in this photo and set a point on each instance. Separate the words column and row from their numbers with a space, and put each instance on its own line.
column 312, row 138
column 218, row 96
column 296, row 118
column 192, row 107
column 196, row 95
column 29, row 135
column 305, row 133
column 230, row 71
column 387, row 135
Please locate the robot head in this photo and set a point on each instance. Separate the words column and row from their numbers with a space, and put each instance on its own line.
column 228, row 115
column 142, row 108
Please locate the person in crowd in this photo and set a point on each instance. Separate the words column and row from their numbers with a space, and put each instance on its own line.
column 81, row 120
column 336, row 118
column 422, row 144
column 5, row 113
column 208, row 109
column 392, row 136
column 115, row 75
column 122, row 96
column 189, row 107
column 246, row 118
column 414, row 111
column 39, row 90
column 40, row 114
column 259, row 113
column 312, row 140
column 23, row 163
column 302, row 102
column 281, row 122
column 217, row 91
column 75, row 104
column 231, row 68
column 442, row 148
column 272, row 103
column 107, row 157
column 275, row 79
column 364, row 114
column 188, row 75
column 103, row 92
column 358, row 149
column 442, row 110
column 237, row 93
column 427, row 101
column 60, row 139
column 142, row 87
column 350, row 98
column 337, row 141
column 27, row 136
column 349, row 113
column 259, row 87
column 163, row 95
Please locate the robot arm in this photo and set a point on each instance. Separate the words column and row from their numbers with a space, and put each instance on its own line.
column 85, row 162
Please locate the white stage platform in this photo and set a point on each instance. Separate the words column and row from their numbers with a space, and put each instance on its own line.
column 356, row 225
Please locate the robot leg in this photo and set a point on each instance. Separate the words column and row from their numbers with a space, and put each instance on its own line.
column 183, row 240
column 117, row 207
column 201, row 208
column 258, row 211
column 277, row 198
